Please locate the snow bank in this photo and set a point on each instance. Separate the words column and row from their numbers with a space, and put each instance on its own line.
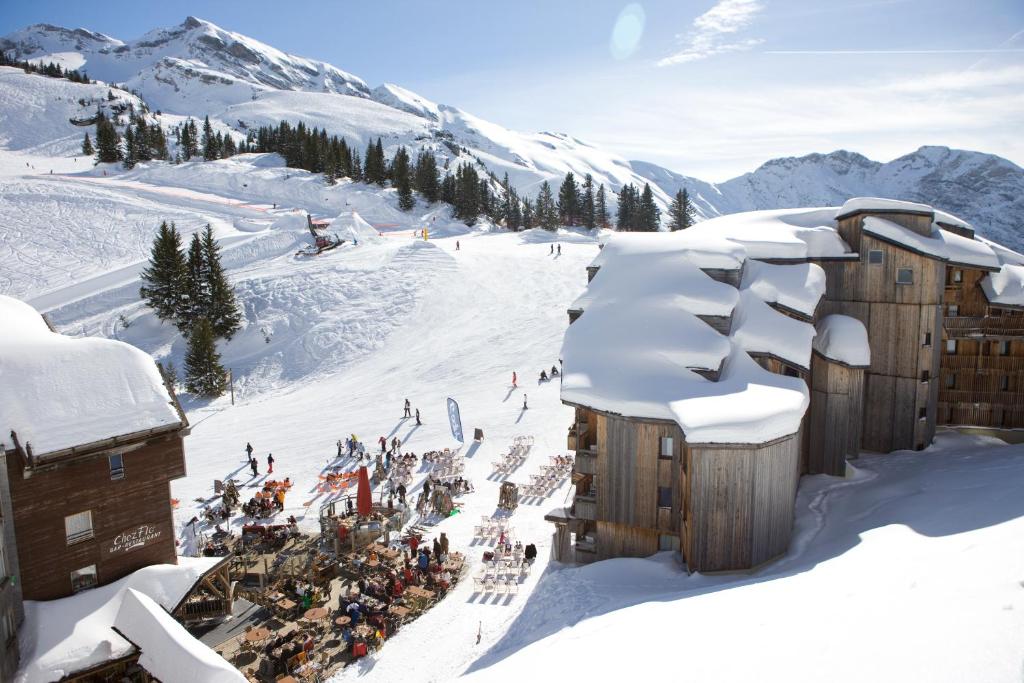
column 759, row 328
column 75, row 633
column 941, row 244
column 65, row 392
column 169, row 652
column 798, row 287
column 844, row 339
column 878, row 204
column 706, row 251
column 351, row 226
column 1006, row 286
column 779, row 234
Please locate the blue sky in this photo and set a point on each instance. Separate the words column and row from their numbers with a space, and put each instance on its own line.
column 708, row 88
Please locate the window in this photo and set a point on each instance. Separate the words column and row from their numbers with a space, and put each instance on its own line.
column 78, row 527
column 922, row 413
column 1004, row 383
column 1004, row 348
column 83, row 578
column 952, row 311
column 666, row 448
column 951, row 346
column 995, row 312
column 664, row 496
column 927, row 339
column 905, row 276
column 924, row 376
column 951, row 381
column 116, row 465
column 958, row 276
column 876, row 257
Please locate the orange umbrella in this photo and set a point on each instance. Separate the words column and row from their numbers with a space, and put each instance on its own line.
column 364, row 497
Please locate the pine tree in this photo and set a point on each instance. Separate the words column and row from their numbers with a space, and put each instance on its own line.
column 448, row 189
column 426, row 180
column 588, row 212
column 569, row 200
column 546, row 212
column 601, row 209
column 169, row 372
column 210, row 149
column 163, row 281
column 628, row 213
column 87, row 149
column 196, row 298
column 221, row 309
column 528, row 216
column 650, row 214
column 402, row 178
column 108, row 142
column 131, row 149
column 681, row 212
column 204, row 375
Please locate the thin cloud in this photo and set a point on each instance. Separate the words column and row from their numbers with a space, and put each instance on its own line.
column 711, row 32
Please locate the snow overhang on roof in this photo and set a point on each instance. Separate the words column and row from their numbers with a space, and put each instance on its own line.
column 74, row 392
column 705, row 251
column 761, row 330
column 797, row 287
column 941, row 244
column 1005, row 287
column 780, row 234
column 843, row 339
column 880, row 205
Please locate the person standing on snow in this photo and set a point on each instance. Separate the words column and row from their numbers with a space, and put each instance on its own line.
column 248, row 450
column 252, row 464
column 270, row 463
column 383, row 444
column 552, row 250
column 456, row 245
column 524, row 401
column 559, row 249
column 514, row 386
column 408, row 407
column 418, row 417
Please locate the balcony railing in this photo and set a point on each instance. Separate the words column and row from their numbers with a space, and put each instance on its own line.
column 970, row 397
column 973, row 326
column 994, row 363
column 586, row 461
column 585, row 507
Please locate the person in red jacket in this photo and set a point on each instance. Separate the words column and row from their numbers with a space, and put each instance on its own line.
column 513, row 379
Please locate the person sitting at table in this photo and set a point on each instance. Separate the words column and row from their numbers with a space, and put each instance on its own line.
column 353, row 612
column 423, row 561
column 347, row 634
column 444, row 579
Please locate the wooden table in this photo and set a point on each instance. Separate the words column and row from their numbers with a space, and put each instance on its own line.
column 257, row 634
column 418, row 592
column 364, row 630
column 343, row 621
column 316, row 613
column 286, row 604
column 402, row 612
column 287, row 679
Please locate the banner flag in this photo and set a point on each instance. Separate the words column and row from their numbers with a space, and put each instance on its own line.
column 455, row 419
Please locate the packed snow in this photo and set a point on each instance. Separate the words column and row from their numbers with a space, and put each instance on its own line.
column 792, row 234
column 855, row 204
column 68, row 392
column 1005, row 287
column 62, row 636
column 759, row 329
column 940, row 244
column 844, row 339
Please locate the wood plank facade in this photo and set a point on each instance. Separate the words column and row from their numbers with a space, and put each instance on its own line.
column 130, row 508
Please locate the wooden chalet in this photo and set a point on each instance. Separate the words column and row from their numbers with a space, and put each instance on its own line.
column 911, row 331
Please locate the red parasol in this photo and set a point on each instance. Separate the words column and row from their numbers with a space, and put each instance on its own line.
column 364, row 497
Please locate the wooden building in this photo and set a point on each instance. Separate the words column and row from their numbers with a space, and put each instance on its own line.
column 917, row 324
column 12, row 612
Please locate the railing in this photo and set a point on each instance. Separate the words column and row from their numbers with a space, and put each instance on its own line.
column 1006, row 325
column 586, row 461
column 205, row 609
column 970, row 397
column 1004, row 363
column 585, row 507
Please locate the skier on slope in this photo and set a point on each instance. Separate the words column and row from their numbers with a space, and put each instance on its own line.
column 252, row 464
column 559, row 249
column 524, row 401
column 408, row 407
column 418, row 417
column 270, row 463
column 552, row 251
column 514, row 386
column 248, row 450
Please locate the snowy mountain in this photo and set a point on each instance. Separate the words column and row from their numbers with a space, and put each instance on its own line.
column 198, row 68
column 984, row 189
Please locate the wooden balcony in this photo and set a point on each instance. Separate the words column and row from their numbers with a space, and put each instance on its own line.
column 577, row 439
column 585, row 507
column 586, row 461
column 984, row 326
column 983, row 363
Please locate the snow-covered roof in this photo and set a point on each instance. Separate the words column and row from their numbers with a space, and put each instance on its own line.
column 169, row 652
column 1006, row 286
column 666, row 275
column 74, row 633
column 797, row 286
column 704, row 250
column 635, row 348
column 62, row 392
column 780, row 233
column 844, row 339
column 940, row 244
column 759, row 329
column 879, row 204
column 949, row 219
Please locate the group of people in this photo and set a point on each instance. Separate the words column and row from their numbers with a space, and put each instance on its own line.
column 544, row 377
column 552, row 251
column 270, row 502
column 408, row 412
column 254, row 465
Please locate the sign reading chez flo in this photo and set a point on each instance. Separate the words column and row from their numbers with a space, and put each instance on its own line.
column 133, row 539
